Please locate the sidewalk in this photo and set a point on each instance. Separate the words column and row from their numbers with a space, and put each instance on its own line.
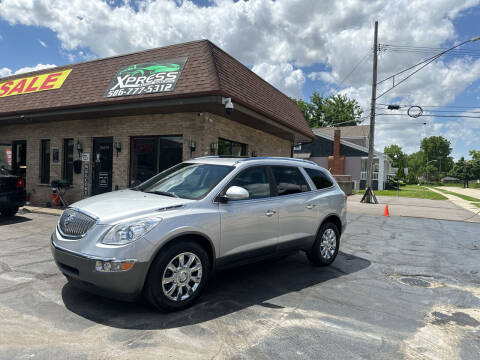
column 41, row 210
column 475, row 193
column 459, row 201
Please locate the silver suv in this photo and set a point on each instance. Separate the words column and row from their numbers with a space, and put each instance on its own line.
column 164, row 237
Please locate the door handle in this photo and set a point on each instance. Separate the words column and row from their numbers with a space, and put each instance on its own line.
column 310, row 207
column 270, row 212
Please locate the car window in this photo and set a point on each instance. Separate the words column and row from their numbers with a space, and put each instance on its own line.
column 186, row 180
column 319, row 178
column 255, row 180
column 289, row 180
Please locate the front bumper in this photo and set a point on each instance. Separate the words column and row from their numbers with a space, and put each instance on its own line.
column 80, row 270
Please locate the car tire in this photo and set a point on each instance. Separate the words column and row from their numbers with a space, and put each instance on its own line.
column 325, row 249
column 9, row 212
column 169, row 283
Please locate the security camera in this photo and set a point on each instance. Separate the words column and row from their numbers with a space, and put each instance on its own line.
column 228, row 105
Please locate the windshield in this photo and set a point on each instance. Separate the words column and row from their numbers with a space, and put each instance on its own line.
column 186, row 180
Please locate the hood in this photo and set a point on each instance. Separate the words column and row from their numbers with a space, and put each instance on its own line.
column 117, row 205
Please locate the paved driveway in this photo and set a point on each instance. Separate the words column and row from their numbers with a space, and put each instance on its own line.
column 412, row 207
column 401, row 288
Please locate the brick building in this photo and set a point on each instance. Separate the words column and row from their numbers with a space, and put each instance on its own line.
column 111, row 123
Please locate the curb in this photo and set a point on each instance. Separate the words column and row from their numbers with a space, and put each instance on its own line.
column 40, row 210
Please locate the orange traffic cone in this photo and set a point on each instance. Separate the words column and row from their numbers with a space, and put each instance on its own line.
column 386, row 213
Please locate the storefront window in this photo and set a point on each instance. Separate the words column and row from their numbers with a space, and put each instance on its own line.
column 5, row 158
column 68, row 160
column 153, row 154
column 228, row 147
column 45, row 162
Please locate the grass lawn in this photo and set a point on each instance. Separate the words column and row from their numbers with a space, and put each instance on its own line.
column 464, row 197
column 412, row 191
column 477, row 204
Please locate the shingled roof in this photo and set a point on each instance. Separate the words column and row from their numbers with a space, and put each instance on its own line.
column 208, row 71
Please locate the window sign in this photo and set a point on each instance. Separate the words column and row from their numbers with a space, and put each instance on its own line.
column 146, row 78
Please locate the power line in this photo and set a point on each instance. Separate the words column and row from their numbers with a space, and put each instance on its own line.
column 466, row 112
column 354, row 68
column 436, row 106
column 433, row 115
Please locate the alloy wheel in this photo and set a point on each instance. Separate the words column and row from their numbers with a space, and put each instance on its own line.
column 328, row 244
column 182, row 276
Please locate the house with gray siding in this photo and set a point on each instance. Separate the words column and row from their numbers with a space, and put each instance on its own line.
column 344, row 151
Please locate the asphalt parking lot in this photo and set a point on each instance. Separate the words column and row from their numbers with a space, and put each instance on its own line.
column 402, row 288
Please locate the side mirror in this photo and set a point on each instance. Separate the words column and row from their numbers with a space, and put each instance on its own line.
column 236, row 193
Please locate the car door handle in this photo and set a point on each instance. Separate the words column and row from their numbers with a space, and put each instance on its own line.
column 270, row 212
column 310, row 207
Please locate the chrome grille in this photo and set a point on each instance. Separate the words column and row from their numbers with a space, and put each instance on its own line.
column 74, row 224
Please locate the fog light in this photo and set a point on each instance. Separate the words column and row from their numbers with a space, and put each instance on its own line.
column 113, row 266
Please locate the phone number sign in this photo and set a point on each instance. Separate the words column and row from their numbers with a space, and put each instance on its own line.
column 146, row 78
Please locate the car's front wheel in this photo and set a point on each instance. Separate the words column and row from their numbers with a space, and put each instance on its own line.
column 177, row 276
column 325, row 249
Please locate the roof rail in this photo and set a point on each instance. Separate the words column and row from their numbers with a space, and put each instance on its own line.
column 221, row 157
column 246, row 158
column 277, row 158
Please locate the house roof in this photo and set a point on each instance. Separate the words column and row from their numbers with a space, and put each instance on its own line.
column 358, row 149
column 347, row 131
column 207, row 71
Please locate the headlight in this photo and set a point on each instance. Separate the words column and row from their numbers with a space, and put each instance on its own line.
column 127, row 232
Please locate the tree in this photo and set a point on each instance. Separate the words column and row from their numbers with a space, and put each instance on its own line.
column 475, row 154
column 395, row 153
column 337, row 109
column 438, row 148
column 416, row 163
column 463, row 170
column 475, row 163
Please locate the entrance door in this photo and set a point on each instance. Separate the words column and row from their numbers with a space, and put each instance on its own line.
column 102, row 165
column 19, row 158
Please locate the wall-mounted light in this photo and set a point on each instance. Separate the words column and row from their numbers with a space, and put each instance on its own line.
column 213, row 148
column 118, row 147
column 79, row 148
column 193, row 145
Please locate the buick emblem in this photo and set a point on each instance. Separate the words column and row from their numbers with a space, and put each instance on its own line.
column 69, row 219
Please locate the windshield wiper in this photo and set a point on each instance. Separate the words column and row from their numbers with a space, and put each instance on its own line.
column 166, row 193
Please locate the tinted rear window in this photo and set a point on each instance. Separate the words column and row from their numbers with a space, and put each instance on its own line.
column 319, row 178
column 289, row 180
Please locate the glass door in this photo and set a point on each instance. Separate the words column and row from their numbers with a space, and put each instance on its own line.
column 102, row 165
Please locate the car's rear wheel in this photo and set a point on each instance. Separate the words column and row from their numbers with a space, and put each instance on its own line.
column 9, row 212
column 325, row 248
column 178, row 276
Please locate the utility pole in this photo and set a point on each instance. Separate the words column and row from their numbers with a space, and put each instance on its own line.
column 369, row 196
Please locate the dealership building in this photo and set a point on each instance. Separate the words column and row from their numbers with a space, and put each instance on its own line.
column 112, row 123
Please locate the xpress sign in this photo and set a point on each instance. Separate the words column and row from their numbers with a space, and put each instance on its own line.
column 146, row 78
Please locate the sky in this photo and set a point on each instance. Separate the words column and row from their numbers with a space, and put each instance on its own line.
column 300, row 46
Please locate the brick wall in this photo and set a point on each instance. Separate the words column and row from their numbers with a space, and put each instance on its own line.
column 204, row 129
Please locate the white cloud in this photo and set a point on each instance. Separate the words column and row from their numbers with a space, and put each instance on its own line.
column 278, row 39
column 42, row 43
column 7, row 72
column 283, row 76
